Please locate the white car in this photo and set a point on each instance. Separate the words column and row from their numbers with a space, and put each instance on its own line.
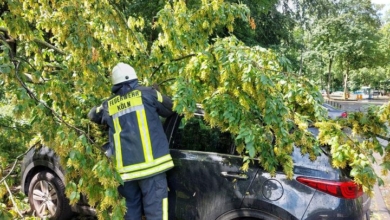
column 337, row 93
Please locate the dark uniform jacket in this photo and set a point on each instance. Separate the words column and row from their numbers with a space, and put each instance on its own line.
column 135, row 129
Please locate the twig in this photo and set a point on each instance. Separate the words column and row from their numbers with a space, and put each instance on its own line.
column 16, row 160
column 44, row 43
column 13, row 167
column 9, row 173
column 125, row 22
column 12, row 199
column 157, row 68
column 54, row 113
column 184, row 57
column 36, row 40
column 177, row 59
column 276, row 71
column 166, row 81
column 13, row 127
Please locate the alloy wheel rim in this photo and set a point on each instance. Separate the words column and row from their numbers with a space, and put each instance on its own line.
column 45, row 198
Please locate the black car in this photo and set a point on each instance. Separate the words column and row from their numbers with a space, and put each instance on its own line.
column 207, row 182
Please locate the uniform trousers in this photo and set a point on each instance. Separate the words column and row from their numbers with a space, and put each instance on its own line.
column 146, row 196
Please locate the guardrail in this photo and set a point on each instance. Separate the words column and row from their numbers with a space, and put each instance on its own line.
column 333, row 103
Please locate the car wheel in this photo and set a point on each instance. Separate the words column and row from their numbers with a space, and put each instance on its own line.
column 265, row 217
column 47, row 198
column 247, row 215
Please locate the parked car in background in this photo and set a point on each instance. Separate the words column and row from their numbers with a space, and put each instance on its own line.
column 207, row 182
column 334, row 113
column 362, row 94
column 337, row 94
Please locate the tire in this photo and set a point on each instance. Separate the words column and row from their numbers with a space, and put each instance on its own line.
column 245, row 214
column 47, row 197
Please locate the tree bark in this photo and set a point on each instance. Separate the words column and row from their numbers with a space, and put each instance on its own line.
column 346, row 83
column 329, row 77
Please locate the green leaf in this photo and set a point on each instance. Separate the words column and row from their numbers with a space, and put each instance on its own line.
column 251, row 149
column 5, row 69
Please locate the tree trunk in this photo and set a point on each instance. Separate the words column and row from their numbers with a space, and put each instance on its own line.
column 329, row 77
column 346, row 83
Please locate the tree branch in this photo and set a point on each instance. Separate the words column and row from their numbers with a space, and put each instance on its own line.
column 177, row 59
column 13, row 127
column 54, row 113
column 36, row 40
column 44, row 43
column 184, row 57
column 125, row 22
column 12, row 199
column 7, row 40
column 16, row 161
column 165, row 81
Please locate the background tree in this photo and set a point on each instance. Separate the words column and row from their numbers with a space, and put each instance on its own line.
column 345, row 37
column 359, row 47
column 383, row 58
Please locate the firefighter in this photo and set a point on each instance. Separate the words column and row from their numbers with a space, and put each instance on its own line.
column 138, row 142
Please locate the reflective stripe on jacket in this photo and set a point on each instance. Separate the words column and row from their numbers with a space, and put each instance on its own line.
column 136, row 132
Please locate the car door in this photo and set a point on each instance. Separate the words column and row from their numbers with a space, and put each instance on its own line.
column 206, row 180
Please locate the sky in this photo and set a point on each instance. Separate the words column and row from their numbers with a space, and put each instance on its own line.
column 385, row 2
column 381, row 1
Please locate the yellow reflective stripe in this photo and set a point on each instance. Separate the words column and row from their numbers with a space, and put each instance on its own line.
column 117, row 143
column 148, row 172
column 118, row 98
column 99, row 108
column 165, row 209
column 124, row 104
column 128, row 110
column 121, row 103
column 145, row 138
column 159, row 96
column 143, row 166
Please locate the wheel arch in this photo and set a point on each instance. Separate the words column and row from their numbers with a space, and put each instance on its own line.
column 252, row 213
column 38, row 166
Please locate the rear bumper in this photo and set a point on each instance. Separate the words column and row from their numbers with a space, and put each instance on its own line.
column 327, row 207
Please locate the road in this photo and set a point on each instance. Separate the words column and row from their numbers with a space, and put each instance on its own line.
column 360, row 105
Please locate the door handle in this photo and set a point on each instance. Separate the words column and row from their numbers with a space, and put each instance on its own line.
column 241, row 176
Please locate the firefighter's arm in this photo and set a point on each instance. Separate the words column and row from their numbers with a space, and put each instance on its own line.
column 96, row 114
column 164, row 105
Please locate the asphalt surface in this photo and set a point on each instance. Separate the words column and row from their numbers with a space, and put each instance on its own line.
column 380, row 202
column 357, row 105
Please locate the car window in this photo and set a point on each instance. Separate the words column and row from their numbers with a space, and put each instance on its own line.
column 196, row 134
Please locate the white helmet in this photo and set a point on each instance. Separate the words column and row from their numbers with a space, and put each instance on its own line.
column 122, row 72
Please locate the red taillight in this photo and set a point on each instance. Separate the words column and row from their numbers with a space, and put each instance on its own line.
column 344, row 115
column 345, row 190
